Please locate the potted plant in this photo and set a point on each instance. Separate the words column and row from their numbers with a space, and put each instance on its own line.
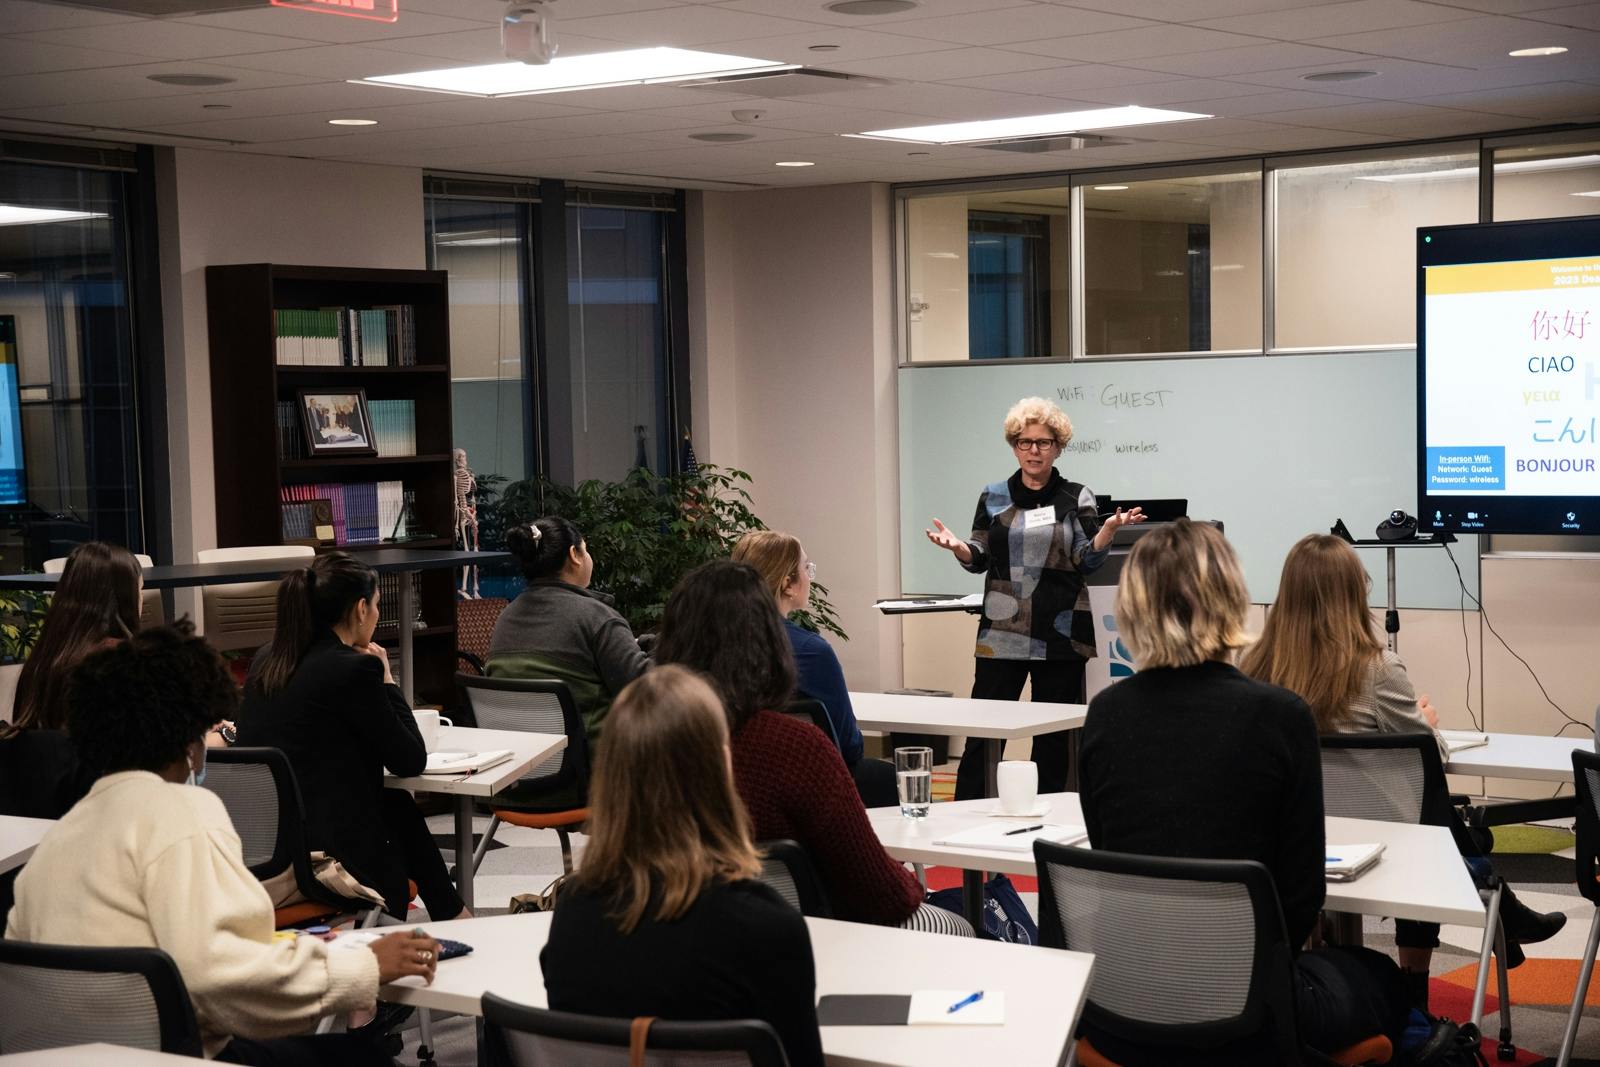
column 645, row 532
column 21, row 619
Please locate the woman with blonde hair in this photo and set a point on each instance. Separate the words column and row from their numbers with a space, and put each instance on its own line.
column 1034, row 536
column 1191, row 758
column 789, row 572
column 1321, row 641
column 666, row 915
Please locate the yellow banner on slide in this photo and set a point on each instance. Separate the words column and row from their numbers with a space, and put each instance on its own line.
column 1511, row 277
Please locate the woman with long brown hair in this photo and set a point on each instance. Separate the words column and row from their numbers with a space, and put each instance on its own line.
column 1321, row 641
column 666, row 914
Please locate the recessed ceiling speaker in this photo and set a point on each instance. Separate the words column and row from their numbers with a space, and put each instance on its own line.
column 1339, row 75
column 870, row 7
column 722, row 138
column 192, row 80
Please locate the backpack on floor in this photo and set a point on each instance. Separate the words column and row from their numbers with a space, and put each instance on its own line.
column 1443, row 1044
column 1005, row 916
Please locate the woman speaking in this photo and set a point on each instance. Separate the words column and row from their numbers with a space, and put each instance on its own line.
column 1034, row 537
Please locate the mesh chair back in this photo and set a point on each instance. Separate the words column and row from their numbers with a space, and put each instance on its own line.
column 786, row 868
column 1586, row 777
column 539, row 706
column 53, row 996
column 1389, row 777
column 519, row 1036
column 814, row 712
column 1188, row 953
column 250, row 783
column 151, row 610
column 243, row 615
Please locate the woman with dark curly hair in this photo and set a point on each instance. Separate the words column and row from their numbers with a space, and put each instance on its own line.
column 147, row 861
column 322, row 692
column 722, row 621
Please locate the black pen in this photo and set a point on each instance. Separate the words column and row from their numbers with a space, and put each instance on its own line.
column 1022, row 830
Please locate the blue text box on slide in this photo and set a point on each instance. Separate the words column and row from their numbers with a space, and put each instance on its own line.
column 1470, row 468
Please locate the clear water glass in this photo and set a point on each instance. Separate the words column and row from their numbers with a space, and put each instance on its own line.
column 913, row 776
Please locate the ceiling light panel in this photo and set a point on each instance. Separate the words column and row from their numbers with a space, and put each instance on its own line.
column 638, row 66
column 1032, row 125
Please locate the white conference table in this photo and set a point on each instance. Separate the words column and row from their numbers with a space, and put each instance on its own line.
column 995, row 721
column 95, row 1055
column 1421, row 875
column 18, row 838
column 528, row 750
column 1530, row 757
column 1044, row 988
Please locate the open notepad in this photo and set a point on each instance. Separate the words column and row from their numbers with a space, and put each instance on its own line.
column 457, row 762
column 1002, row 837
column 1461, row 740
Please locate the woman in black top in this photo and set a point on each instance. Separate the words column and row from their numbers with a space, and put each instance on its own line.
column 1190, row 758
column 323, row 693
column 1034, row 536
column 665, row 915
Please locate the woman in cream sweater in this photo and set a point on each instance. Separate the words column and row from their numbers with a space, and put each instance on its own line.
column 149, row 860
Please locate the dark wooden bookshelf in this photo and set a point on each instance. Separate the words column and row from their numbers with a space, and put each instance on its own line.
column 247, row 382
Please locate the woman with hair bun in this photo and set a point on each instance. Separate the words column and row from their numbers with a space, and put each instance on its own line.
column 322, row 692
column 559, row 628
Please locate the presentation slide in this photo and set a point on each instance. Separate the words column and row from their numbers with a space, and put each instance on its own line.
column 13, row 488
column 1512, row 401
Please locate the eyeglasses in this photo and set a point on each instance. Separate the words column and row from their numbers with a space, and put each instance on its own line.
column 811, row 570
column 1030, row 445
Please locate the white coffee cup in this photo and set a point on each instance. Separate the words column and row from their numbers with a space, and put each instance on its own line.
column 428, row 723
column 1019, row 786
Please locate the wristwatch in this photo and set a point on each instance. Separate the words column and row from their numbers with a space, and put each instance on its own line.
column 229, row 733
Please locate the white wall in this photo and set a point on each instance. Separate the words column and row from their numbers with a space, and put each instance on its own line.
column 230, row 207
column 793, row 369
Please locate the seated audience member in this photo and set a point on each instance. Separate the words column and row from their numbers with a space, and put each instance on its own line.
column 667, row 915
column 559, row 628
column 147, row 860
column 1321, row 641
column 322, row 692
column 1190, row 758
column 722, row 621
column 788, row 573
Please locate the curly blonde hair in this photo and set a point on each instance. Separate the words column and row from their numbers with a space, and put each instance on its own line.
column 1037, row 409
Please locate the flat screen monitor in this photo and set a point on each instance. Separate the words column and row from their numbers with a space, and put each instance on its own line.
column 13, row 486
column 1508, row 377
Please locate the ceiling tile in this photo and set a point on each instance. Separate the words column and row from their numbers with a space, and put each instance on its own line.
column 117, row 83
column 816, row 12
column 1066, row 80
column 1122, row 45
column 1261, row 103
column 1389, row 117
column 19, row 55
column 319, row 28
column 953, row 102
column 479, row 46
column 683, row 27
column 1555, row 100
column 1030, row 23
column 1230, row 62
column 1503, row 7
column 337, row 61
column 19, row 16
column 1326, row 20
column 1481, row 43
column 853, row 44
column 1400, row 79
column 165, row 39
column 1293, row 140
column 1189, row 10
column 1169, row 93
column 947, row 64
column 1586, row 16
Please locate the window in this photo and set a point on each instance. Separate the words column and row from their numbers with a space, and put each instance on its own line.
column 1171, row 264
column 1546, row 181
column 1345, row 262
column 617, row 379
column 70, row 471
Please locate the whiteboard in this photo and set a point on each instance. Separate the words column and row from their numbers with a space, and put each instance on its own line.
column 1275, row 446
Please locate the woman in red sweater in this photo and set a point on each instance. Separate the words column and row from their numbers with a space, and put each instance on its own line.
column 722, row 621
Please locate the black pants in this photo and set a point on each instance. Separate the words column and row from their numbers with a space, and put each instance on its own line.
column 1345, row 995
column 408, row 830
column 875, row 783
column 1057, row 681
column 321, row 1050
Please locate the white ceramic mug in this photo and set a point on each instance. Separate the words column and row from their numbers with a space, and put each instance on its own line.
column 428, row 723
column 1019, row 786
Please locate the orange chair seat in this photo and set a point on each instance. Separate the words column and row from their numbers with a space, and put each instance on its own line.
column 309, row 910
column 542, row 820
column 1372, row 1050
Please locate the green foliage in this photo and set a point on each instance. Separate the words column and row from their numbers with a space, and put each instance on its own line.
column 645, row 532
column 21, row 619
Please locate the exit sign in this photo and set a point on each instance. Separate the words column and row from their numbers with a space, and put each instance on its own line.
column 376, row 10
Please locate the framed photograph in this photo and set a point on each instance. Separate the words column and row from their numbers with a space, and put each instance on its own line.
column 336, row 422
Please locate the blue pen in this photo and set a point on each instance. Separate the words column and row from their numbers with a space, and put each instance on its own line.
column 958, row 1005
column 1334, row 859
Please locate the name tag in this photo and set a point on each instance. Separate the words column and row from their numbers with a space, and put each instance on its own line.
column 1040, row 517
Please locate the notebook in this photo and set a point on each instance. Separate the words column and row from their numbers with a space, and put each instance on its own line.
column 1461, row 740
column 457, row 762
column 1002, row 837
column 1346, row 863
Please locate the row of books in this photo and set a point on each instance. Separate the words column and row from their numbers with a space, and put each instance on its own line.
column 394, row 428
column 389, row 599
column 359, row 513
column 384, row 336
